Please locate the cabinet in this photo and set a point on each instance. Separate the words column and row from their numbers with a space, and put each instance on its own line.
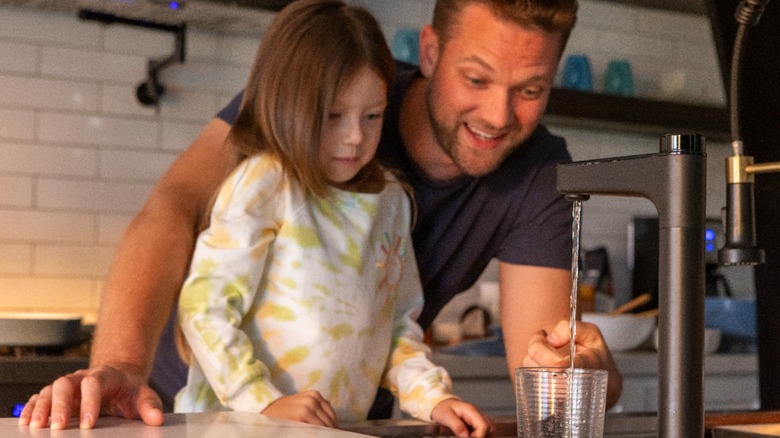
column 730, row 382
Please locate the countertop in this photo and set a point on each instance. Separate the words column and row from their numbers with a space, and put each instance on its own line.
column 239, row 425
column 748, row 431
column 206, row 425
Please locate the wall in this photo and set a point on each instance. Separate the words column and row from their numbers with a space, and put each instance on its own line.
column 79, row 155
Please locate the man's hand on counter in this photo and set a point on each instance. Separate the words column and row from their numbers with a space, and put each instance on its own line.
column 89, row 393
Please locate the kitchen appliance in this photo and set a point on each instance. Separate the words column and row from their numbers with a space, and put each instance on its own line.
column 642, row 259
column 23, row 329
column 35, row 349
column 735, row 317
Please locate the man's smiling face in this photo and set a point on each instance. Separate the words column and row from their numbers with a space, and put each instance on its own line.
column 488, row 88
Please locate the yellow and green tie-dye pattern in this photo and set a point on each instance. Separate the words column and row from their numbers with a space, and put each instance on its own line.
column 288, row 292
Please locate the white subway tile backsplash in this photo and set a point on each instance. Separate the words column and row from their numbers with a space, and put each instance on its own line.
column 408, row 13
column 92, row 196
column 179, row 136
column 72, row 260
column 235, row 50
column 47, row 27
column 111, row 227
column 121, row 100
column 203, row 46
column 700, row 57
column 582, row 41
column 18, row 57
column 37, row 226
column 45, row 294
column 30, row 159
column 185, row 105
column 674, row 26
column 32, row 92
column 132, row 165
column 139, row 41
column 79, row 155
column 17, row 124
column 606, row 15
column 226, row 78
column 16, row 191
column 15, row 259
column 626, row 45
column 98, row 130
column 92, row 64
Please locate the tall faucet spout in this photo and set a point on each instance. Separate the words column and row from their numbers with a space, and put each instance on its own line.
column 674, row 180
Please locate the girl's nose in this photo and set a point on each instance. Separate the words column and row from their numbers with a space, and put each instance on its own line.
column 353, row 132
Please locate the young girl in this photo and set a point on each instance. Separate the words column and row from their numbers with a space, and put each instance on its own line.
column 303, row 292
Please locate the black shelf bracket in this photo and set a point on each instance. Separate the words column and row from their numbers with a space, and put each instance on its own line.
column 151, row 89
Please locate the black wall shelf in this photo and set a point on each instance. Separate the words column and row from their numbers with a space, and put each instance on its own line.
column 605, row 111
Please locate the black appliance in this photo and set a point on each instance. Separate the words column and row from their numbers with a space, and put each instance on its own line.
column 643, row 259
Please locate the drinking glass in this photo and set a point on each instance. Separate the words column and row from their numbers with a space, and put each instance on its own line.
column 555, row 403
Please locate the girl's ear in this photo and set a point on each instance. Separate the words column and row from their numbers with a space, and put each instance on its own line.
column 429, row 50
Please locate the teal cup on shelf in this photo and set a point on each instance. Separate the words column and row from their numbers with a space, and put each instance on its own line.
column 406, row 45
column 618, row 78
column 576, row 73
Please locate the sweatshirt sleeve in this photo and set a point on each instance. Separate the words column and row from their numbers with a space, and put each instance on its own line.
column 221, row 287
column 412, row 377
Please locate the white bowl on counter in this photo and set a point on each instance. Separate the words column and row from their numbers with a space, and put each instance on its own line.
column 711, row 340
column 622, row 332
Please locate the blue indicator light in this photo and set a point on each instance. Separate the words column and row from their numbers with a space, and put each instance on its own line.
column 18, row 410
column 709, row 247
column 174, row 5
column 709, row 235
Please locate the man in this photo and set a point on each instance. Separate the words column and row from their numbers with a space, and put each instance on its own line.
column 464, row 132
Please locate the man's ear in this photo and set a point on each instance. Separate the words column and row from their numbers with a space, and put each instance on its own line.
column 429, row 50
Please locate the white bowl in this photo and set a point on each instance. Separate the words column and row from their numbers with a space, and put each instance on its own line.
column 711, row 340
column 622, row 332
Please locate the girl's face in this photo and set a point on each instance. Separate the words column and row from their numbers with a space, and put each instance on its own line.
column 352, row 128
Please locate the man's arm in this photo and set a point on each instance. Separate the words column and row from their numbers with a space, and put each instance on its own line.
column 153, row 255
column 535, row 323
column 141, row 288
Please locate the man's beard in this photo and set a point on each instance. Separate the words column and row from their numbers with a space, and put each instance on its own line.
column 482, row 162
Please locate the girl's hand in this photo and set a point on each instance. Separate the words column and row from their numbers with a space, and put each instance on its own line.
column 463, row 419
column 305, row 407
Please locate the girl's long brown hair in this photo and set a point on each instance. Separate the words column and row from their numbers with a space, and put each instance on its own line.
column 311, row 48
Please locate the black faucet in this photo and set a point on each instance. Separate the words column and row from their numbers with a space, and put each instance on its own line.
column 674, row 180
